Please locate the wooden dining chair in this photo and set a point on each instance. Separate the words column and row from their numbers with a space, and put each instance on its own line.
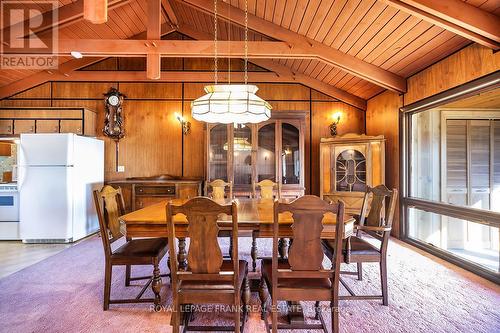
column 218, row 189
column 218, row 192
column 302, row 277
column 209, row 279
column 268, row 190
column 148, row 251
column 377, row 223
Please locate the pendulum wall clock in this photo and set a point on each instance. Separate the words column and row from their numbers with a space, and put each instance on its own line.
column 113, row 121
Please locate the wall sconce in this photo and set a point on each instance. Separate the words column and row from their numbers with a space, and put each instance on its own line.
column 333, row 125
column 186, row 125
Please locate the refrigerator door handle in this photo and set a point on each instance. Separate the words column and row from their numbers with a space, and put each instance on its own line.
column 21, row 176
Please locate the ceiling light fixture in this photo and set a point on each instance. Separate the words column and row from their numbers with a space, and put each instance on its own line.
column 76, row 55
column 230, row 103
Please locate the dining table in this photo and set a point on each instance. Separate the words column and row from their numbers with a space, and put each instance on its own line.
column 254, row 215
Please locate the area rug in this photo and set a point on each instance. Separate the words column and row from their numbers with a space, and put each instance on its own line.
column 63, row 293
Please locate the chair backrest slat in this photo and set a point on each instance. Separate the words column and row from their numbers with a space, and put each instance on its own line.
column 380, row 212
column 204, row 253
column 218, row 187
column 305, row 252
column 109, row 206
column 267, row 188
column 307, row 228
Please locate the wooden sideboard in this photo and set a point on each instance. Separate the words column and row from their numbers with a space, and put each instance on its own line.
column 142, row 192
column 17, row 120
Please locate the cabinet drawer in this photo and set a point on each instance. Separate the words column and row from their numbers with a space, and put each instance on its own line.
column 47, row 126
column 72, row 126
column 155, row 190
column 24, row 126
column 145, row 201
column 6, row 127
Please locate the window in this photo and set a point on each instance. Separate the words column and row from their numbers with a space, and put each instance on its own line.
column 453, row 192
column 455, row 159
column 469, row 240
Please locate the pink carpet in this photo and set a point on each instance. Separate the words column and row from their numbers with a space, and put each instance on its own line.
column 64, row 294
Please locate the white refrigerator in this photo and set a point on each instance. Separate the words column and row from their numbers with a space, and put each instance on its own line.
column 56, row 176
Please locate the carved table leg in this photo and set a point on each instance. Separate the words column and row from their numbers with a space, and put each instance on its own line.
column 246, row 297
column 283, row 248
column 253, row 252
column 263, row 298
column 182, row 255
column 156, row 286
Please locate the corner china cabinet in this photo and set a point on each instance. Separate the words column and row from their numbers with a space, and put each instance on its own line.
column 248, row 153
column 348, row 164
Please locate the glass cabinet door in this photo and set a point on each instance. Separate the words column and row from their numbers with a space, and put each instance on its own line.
column 266, row 157
column 218, row 152
column 247, row 153
column 242, row 155
column 290, row 154
column 350, row 170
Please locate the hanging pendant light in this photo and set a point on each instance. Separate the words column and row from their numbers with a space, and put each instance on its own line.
column 231, row 103
column 239, row 144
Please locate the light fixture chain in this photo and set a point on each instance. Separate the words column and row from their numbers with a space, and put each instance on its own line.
column 229, row 27
column 216, row 65
column 246, row 41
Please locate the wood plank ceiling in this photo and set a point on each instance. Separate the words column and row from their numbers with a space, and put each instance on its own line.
column 370, row 30
column 123, row 22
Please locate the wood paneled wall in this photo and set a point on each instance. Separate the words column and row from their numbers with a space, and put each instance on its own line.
column 464, row 66
column 154, row 143
column 382, row 117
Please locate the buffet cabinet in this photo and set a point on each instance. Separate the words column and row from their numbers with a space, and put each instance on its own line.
column 142, row 192
column 17, row 120
column 249, row 153
column 348, row 164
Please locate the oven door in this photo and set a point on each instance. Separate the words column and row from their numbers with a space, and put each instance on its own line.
column 9, row 206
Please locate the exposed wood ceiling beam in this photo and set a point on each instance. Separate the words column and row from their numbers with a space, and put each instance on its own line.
column 287, row 74
column 153, row 59
column 456, row 16
column 167, row 76
column 66, row 15
column 63, row 70
column 174, row 48
column 95, row 11
column 327, row 54
column 172, row 17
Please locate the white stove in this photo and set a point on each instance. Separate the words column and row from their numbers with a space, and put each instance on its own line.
column 6, row 187
column 9, row 211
